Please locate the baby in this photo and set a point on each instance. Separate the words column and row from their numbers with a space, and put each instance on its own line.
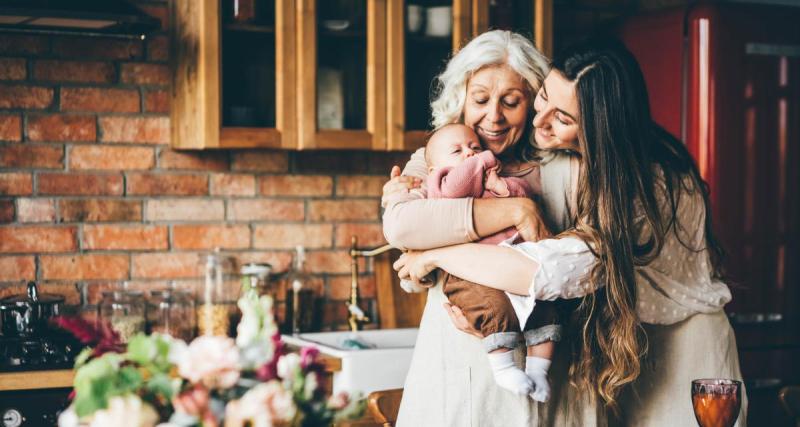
column 459, row 167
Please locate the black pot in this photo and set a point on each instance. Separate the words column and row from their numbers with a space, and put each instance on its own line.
column 28, row 315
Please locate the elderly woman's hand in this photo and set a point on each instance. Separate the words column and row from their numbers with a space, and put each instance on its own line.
column 399, row 183
column 529, row 221
column 460, row 321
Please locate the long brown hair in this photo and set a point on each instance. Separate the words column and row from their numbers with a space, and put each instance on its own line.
column 622, row 151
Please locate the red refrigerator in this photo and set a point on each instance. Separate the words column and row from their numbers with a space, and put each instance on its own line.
column 725, row 78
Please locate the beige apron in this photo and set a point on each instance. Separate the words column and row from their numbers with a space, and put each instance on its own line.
column 449, row 382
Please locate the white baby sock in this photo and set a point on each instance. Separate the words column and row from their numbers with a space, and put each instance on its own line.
column 536, row 368
column 507, row 375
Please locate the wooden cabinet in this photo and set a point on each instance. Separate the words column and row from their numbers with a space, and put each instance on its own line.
column 317, row 74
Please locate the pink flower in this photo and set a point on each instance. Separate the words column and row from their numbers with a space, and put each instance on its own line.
column 263, row 405
column 194, row 401
column 308, row 355
column 212, row 361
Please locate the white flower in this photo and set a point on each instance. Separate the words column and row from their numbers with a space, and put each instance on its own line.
column 212, row 361
column 288, row 366
column 125, row 411
column 310, row 385
column 263, row 405
column 68, row 418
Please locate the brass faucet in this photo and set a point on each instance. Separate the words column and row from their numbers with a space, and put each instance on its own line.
column 357, row 318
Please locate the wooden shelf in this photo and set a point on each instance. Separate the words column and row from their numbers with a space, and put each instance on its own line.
column 31, row 380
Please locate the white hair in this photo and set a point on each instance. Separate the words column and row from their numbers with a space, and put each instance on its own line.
column 491, row 48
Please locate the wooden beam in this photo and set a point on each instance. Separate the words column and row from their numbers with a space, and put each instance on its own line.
column 306, row 73
column 376, row 73
column 543, row 26
column 395, row 75
column 285, row 66
column 462, row 23
column 480, row 17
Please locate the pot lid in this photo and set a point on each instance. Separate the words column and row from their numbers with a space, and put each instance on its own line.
column 32, row 297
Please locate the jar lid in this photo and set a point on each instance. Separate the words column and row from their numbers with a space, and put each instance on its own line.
column 255, row 269
column 32, row 297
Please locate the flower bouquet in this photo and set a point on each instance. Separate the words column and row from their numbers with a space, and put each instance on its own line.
column 157, row 380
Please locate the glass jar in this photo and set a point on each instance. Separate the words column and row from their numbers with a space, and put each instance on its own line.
column 255, row 278
column 217, row 303
column 124, row 311
column 171, row 312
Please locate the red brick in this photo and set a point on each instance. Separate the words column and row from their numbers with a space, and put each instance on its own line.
column 201, row 160
column 233, row 185
column 158, row 48
column 100, row 210
column 74, row 71
column 260, row 161
column 34, row 239
column 105, row 48
column 139, row 184
column 62, row 127
column 84, row 267
column 10, row 127
column 368, row 235
column 111, row 157
column 339, row 286
column 32, row 156
column 152, row 130
column 156, row 101
column 295, row 185
column 210, row 236
column 23, row 44
column 17, row 268
column 36, row 210
column 113, row 237
column 328, row 261
column 166, row 265
column 160, row 12
column 288, row 236
column 12, row 69
column 265, row 210
column 84, row 184
column 6, row 211
column 28, row 97
column 15, row 184
column 184, row 210
column 99, row 100
column 343, row 210
column 330, row 162
column 360, row 185
column 145, row 74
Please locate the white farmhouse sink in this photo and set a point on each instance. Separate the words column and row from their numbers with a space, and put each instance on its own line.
column 383, row 366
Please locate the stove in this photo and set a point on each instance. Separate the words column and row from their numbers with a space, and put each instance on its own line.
column 54, row 351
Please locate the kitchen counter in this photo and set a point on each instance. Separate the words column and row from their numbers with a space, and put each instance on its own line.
column 32, row 380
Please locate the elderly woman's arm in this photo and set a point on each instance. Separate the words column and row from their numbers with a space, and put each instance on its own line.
column 410, row 221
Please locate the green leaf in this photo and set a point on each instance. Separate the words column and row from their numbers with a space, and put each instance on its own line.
column 128, row 380
column 141, row 349
column 163, row 385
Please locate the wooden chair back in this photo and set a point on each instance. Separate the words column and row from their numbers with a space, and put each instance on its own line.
column 396, row 308
column 384, row 405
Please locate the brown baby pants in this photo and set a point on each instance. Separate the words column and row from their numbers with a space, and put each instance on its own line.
column 490, row 311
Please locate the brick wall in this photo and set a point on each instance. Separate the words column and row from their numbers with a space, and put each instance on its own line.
column 91, row 194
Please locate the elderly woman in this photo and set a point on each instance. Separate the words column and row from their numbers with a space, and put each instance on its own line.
column 642, row 253
column 489, row 86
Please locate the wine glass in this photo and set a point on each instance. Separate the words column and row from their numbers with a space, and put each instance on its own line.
column 716, row 401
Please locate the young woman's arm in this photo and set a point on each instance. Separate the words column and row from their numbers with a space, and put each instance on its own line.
column 547, row 270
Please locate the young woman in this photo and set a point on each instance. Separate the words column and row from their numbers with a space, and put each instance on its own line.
column 641, row 254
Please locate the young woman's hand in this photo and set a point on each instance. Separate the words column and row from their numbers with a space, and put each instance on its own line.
column 529, row 221
column 460, row 321
column 399, row 184
column 414, row 266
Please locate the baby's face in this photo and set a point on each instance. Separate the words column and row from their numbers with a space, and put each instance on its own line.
column 451, row 145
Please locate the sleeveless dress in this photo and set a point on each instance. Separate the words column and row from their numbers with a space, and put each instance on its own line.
column 462, row 392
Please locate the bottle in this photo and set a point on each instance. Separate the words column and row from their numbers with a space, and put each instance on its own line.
column 213, row 312
column 124, row 310
column 299, row 295
column 255, row 279
column 172, row 312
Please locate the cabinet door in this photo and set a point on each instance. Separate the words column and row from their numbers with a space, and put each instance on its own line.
column 232, row 82
column 421, row 36
column 531, row 18
column 341, row 73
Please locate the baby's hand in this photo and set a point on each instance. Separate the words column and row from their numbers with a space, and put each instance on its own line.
column 495, row 184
